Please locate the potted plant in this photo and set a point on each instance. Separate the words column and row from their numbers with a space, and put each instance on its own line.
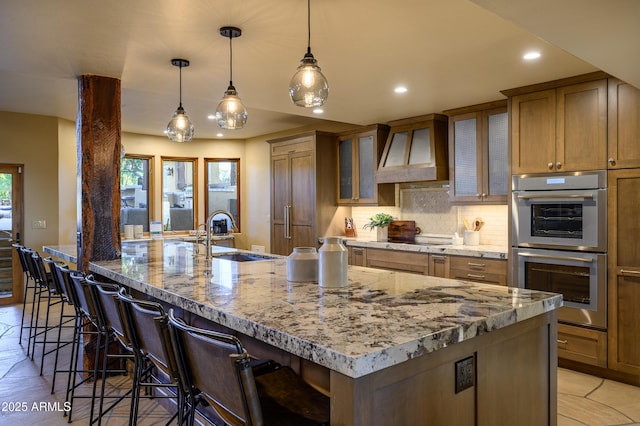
column 380, row 222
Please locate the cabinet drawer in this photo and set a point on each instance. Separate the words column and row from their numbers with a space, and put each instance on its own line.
column 582, row 345
column 479, row 264
column 394, row 260
column 477, row 276
column 296, row 145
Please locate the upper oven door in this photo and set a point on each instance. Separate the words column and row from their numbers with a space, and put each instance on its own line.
column 562, row 219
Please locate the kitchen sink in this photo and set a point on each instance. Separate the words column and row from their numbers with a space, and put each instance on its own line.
column 242, row 257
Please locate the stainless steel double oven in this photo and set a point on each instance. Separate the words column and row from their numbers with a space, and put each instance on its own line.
column 560, row 241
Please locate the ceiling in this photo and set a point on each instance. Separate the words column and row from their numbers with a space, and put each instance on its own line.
column 448, row 53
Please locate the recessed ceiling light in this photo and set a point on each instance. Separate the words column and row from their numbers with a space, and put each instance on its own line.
column 219, row 135
column 400, row 89
column 529, row 56
column 211, row 116
column 318, row 111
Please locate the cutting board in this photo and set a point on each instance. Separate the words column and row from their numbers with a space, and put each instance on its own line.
column 403, row 231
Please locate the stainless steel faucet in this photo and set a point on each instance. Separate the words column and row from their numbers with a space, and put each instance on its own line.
column 208, row 227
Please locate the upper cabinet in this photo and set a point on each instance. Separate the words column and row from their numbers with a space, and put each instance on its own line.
column 416, row 150
column 624, row 125
column 559, row 126
column 478, row 160
column 358, row 155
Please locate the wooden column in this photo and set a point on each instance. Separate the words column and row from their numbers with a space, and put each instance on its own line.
column 98, row 149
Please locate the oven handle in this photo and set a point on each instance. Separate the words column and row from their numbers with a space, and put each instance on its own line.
column 554, row 196
column 546, row 256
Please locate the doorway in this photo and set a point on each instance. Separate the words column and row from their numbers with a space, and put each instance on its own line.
column 11, row 212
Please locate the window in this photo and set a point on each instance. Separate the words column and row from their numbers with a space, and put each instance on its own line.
column 223, row 188
column 135, row 171
column 179, row 193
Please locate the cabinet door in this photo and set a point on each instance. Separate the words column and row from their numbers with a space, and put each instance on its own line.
column 581, row 134
column 623, row 125
column 302, row 211
column 466, row 164
column 279, row 201
column 495, row 131
column 624, row 271
column 346, row 155
column 439, row 265
column 367, row 163
column 533, row 132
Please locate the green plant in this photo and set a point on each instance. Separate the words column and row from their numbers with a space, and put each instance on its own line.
column 378, row 220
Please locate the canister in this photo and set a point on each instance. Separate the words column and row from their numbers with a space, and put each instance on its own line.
column 333, row 263
column 302, row 265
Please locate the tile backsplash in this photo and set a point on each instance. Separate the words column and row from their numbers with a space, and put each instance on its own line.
column 433, row 214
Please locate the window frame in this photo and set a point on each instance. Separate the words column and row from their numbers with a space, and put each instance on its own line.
column 194, row 161
column 150, row 183
column 208, row 160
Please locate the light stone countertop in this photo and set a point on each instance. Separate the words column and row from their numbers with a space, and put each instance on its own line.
column 485, row 251
column 379, row 319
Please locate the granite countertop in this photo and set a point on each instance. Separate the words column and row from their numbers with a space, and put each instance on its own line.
column 486, row 251
column 379, row 319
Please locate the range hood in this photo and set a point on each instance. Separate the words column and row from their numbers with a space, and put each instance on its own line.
column 415, row 151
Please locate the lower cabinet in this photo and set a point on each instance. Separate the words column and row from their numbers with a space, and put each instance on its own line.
column 439, row 265
column 357, row 256
column 582, row 345
column 490, row 271
column 396, row 260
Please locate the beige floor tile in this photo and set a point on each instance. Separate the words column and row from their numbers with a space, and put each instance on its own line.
column 625, row 398
column 575, row 383
column 590, row 412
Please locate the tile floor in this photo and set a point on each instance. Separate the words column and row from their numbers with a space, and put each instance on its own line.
column 582, row 399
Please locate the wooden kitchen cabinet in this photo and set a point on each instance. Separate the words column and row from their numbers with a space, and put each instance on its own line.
column 562, row 128
column 358, row 155
column 623, row 125
column 478, row 159
column 480, row 269
column 582, row 345
column 439, row 265
column 302, row 204
column 624, row 271
column 357, row 256
column 396, row 260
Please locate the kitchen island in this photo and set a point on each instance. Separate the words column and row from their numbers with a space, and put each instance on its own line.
column 389, row 348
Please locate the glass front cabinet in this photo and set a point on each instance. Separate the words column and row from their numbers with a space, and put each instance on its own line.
column 358, row 155
column 478, row 154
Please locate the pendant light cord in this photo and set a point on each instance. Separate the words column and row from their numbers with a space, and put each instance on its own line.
column 309, row 26
column 180, row 85
column 230, row 61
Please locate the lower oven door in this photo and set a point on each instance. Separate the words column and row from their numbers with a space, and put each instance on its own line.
column 579, row 276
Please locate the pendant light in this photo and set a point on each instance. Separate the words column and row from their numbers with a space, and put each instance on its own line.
column 180, row 128
column 308, row 87
column 231, row 114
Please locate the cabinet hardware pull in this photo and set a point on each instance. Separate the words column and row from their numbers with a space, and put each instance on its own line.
column 550, row 165
column 479, row 265
column 435, row 256
column 558, row 165
column 544, row 256
column 482, row 277
column 484, row 195
column 478, row 196
column 626, row 271
column 564, row 342
column 612, row 161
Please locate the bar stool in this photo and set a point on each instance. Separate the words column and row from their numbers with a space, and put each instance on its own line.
column 26, row 255
column 145, row 326
column 105, row 295
column 53, row 296
column 29, row 284
column 216, row 369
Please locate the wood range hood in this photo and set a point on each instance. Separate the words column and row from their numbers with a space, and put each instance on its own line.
column 415, row 151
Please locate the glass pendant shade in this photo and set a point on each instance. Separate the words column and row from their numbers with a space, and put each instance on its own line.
column 180, row 128
column 308, row 87
column 231, row 114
